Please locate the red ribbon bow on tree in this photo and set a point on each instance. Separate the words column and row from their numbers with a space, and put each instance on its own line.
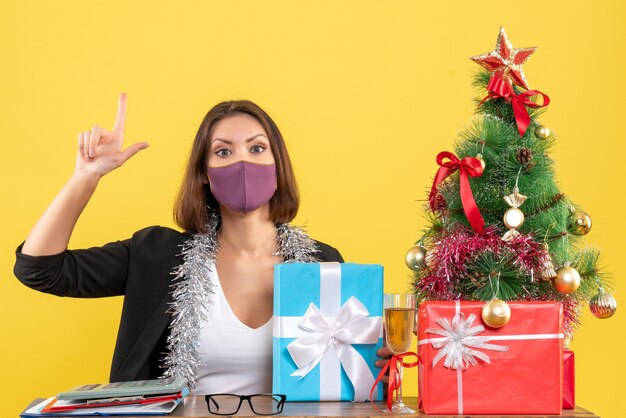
column 467, row 167
column 394, row 375
column 498, row 87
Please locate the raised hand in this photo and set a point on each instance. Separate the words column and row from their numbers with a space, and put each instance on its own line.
column 100, row 151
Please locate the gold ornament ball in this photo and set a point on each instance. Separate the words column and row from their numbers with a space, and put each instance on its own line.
column 567, row 280
column 603, row 305
column 580, row 223
column 513, row 218
column 480, row 158
column 496, row 313
column 415, row 256
column 542, row 132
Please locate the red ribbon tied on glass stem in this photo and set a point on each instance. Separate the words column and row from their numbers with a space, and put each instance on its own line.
column 467, row 167
column 498, row 87
column 394, row 375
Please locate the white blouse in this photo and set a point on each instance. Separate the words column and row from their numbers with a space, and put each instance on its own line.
column 236, row 358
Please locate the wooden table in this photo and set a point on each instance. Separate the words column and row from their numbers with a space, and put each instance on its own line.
column 195, row 406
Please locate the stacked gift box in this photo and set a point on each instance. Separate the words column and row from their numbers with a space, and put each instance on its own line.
column 466, row 367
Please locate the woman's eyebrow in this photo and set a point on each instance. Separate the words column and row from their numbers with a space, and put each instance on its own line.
column 247, row 140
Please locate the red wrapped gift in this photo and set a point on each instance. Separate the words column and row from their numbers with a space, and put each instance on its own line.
column 465, row 367
column 568, row 380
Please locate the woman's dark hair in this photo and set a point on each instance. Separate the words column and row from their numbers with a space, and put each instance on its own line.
column 195, row 199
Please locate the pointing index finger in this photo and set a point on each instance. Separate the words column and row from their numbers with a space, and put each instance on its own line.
column 120, row 118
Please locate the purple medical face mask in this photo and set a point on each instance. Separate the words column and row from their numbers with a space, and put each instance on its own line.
column 243, row 186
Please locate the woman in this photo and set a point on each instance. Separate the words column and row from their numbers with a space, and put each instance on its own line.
column 203, row 312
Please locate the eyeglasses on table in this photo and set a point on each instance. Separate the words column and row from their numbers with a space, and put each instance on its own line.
column 260, row 403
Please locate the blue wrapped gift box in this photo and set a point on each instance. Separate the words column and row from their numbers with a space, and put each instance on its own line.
column 327, row 329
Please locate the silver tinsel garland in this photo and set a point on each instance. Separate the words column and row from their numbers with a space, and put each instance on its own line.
column 294, row 245
column 192, row 289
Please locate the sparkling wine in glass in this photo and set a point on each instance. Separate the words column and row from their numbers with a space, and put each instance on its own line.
column 399, row 324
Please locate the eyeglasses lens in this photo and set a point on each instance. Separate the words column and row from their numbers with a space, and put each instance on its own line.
column 223, row 404
column 266, row 404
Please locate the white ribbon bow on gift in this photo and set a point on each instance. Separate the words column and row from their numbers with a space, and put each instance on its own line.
column 459, row 342
column 352, row 325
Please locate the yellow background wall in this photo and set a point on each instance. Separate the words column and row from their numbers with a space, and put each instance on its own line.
column 365, row 92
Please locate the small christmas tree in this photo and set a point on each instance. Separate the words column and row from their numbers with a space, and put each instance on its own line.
column 499, row 227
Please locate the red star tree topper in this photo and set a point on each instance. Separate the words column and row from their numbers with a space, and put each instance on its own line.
column 505, row 62
column 505, row 66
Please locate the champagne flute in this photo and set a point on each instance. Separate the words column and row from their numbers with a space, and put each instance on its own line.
column 399, row 324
